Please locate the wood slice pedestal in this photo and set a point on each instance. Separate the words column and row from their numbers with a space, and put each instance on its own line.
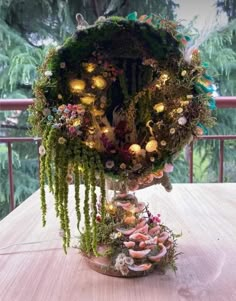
column 103, row 265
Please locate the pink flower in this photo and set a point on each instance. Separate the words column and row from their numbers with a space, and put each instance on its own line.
column 72, row 130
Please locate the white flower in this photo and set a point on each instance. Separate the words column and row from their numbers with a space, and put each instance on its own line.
column 42, row 150
column 113, row 236
column 124, row 270
column 48, row 73
column 121, row 256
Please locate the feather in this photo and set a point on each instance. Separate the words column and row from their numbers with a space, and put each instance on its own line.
column 81, row 22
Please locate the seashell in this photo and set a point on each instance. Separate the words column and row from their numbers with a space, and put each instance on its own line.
column 129, row 244
column 139, row 254
column 139, row 237
column 161, row 254
column 163, row 237
column 126, row 231
column 140, row 268
column 143, row 230
column 154, row 230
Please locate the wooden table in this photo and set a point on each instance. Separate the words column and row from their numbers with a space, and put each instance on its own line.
column 33, row 266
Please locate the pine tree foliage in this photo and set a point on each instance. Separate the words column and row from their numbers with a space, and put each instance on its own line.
column 219, row 51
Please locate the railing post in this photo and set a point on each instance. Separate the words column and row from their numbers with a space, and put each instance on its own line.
column 221, row 161
column 10, row 172
column 191, row 163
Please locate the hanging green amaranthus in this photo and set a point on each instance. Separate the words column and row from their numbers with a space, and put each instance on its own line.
column 50, row 141
column 86, row 201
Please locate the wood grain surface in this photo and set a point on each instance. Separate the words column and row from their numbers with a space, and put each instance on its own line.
column 33, row 266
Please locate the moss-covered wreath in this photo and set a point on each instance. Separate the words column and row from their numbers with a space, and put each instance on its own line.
column 119, row 100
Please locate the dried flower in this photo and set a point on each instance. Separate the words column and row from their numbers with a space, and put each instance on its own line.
column 46, row 112
column 69, row 179
column 61, row 140
column 113, row 236
column 123, row 166
column 62, row 65
column 98, row 218
column 42, row 150
column 110, row 164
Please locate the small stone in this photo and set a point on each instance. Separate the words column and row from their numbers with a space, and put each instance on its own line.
column 183, row 73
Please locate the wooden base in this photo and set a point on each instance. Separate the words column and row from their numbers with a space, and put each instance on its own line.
column 103, row 266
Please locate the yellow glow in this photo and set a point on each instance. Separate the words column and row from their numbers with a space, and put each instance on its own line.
column 105, row 130
column 110, row 208
column 91, row 130
column 99, row 82
column 88, row 99
column 90, row 67
column 159, row 107
column 90, row 144
column 179, row 110
column 98, row 112
column 77, row 85
column 76, row 122
column 135, row 148
column 151, row 146
column 164, row 77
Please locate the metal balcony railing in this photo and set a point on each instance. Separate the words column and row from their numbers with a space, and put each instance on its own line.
column 225, row 102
